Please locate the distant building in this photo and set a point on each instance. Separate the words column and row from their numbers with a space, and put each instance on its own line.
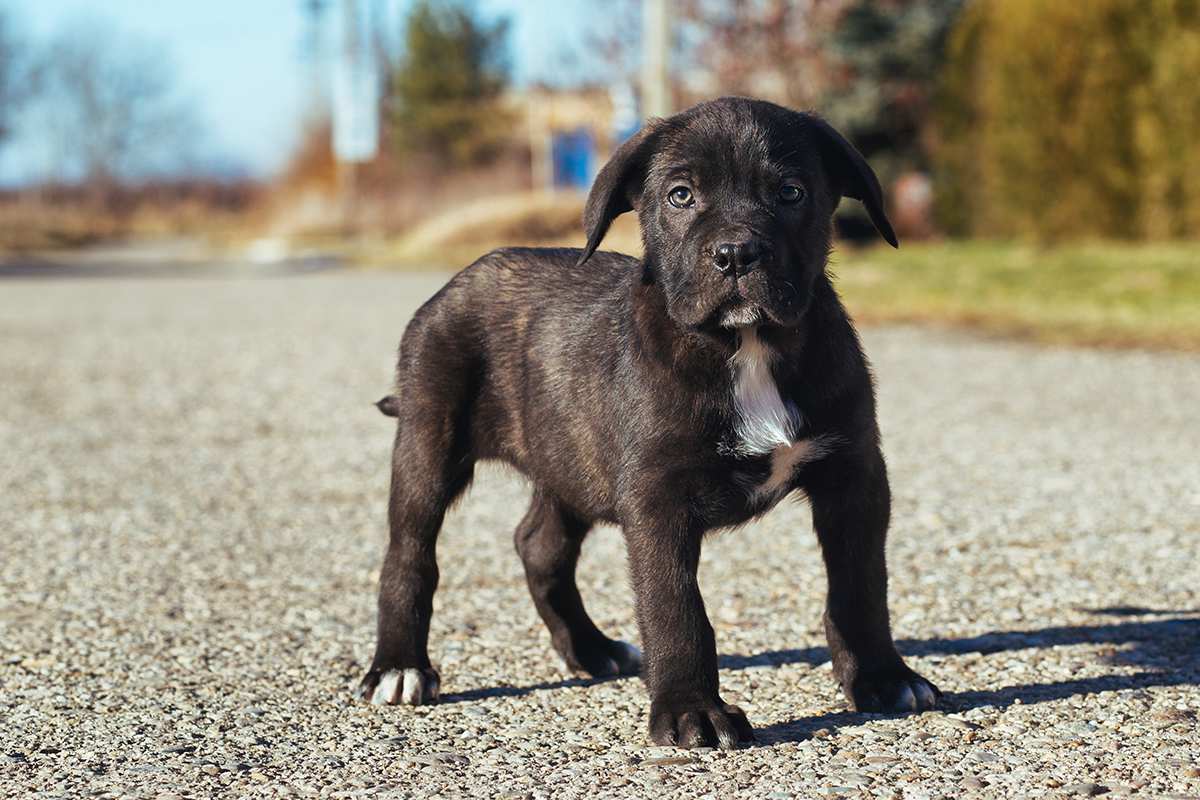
column 572, row 132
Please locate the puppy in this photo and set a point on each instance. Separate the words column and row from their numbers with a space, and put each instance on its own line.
column 688, row 391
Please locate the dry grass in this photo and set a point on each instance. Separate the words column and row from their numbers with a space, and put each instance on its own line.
column 54, row 219
column 1106, row 294
column 457, row 238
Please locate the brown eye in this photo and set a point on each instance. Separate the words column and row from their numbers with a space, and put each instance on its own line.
column 681, row 197
column 791, row 193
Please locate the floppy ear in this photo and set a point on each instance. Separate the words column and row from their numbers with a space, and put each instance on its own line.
column 854, row 174
column 617, row 186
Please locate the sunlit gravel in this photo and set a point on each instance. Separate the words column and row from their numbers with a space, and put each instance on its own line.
column 193, row 484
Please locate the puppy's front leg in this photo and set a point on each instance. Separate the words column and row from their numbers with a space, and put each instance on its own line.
column 680, row 660
column 851, row 503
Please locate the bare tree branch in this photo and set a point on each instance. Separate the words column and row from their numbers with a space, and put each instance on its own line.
column 110, row 107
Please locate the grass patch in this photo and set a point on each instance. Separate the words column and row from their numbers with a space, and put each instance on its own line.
column 1123, row 295
column 1107, row 294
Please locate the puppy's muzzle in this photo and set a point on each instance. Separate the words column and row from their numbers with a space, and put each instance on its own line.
column 739, row 258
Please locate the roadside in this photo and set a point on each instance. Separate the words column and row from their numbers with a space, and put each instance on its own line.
column 174, row 257
column 1106, row 294
column 1095, row 294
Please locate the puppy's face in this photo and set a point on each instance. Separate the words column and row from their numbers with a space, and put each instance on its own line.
column 735, row 209
column 735, row 199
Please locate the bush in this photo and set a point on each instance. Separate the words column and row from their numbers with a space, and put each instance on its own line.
column 1065, row 120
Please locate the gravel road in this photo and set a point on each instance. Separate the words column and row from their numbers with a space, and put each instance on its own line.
column 192, row 522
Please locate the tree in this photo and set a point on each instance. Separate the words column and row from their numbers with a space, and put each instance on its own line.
column 109, row 105
column 443, row 94
column 14, row 74
column 773, row 49
column 870, row 67
column 1064, row 120
column 890, row 57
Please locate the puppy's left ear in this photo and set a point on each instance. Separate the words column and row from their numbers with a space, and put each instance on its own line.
column 854, row 174
column 618, row 185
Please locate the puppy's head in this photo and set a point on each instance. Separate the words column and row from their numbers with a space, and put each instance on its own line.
column 735, row 199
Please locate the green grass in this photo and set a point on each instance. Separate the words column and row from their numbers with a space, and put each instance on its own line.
column 1124, row 295
column 1110, row 294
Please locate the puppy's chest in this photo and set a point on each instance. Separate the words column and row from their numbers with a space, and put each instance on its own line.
column 768, row 428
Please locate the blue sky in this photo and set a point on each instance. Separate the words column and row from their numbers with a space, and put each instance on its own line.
column 242, row 61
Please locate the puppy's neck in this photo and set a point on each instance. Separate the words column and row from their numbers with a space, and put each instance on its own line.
column 686, row 355
column 764, row 420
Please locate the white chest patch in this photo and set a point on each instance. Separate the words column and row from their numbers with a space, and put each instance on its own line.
column 766, row 423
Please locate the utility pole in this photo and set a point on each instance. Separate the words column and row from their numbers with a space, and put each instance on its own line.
column 356, row 88
column 314, row 55
column 347, row 170
column 656, row 47
column 380, row 44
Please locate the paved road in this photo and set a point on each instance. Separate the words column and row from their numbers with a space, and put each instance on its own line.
column 193, row 486
column 168, row 258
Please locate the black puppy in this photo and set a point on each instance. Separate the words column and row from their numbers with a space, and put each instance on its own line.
column 689, row 391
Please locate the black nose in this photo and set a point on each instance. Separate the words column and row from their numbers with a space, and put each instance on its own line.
column 737, row 257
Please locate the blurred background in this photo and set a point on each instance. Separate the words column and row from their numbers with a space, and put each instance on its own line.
column 1039, row 157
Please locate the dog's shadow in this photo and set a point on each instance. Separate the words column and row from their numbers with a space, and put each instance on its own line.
column 1167, row 646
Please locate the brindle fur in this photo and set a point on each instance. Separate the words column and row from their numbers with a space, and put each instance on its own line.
column 606, row 381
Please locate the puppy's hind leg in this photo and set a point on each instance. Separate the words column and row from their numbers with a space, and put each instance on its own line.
column 430, row 468
column 549, row 539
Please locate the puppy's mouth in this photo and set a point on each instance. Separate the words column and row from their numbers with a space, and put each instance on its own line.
column 740, row 314
column 741, row 307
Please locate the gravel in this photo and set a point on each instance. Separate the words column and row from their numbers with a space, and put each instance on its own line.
column 194, row 482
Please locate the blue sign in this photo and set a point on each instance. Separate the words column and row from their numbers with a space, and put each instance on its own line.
column 571, row 153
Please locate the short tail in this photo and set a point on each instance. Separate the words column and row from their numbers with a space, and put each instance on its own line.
column 389, row 406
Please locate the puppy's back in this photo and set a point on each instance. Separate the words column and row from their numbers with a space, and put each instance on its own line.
column 551, row 274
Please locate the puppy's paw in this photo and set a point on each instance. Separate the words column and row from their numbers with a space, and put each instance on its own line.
column 699, row 724
column 623, row 659
column 895, row 691
column 606, row 659
column 411, row 687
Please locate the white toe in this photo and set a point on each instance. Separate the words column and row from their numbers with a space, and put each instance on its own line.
column 633, row 653
column 385, row 691
column 410, row 686
column 411, row 693
column 925, row 696
column 630, row 658
column 906, row 701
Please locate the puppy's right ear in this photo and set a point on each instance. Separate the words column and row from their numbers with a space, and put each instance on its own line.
column 618, row 185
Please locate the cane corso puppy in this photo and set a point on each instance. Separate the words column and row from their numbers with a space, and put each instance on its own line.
column 689, row 391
